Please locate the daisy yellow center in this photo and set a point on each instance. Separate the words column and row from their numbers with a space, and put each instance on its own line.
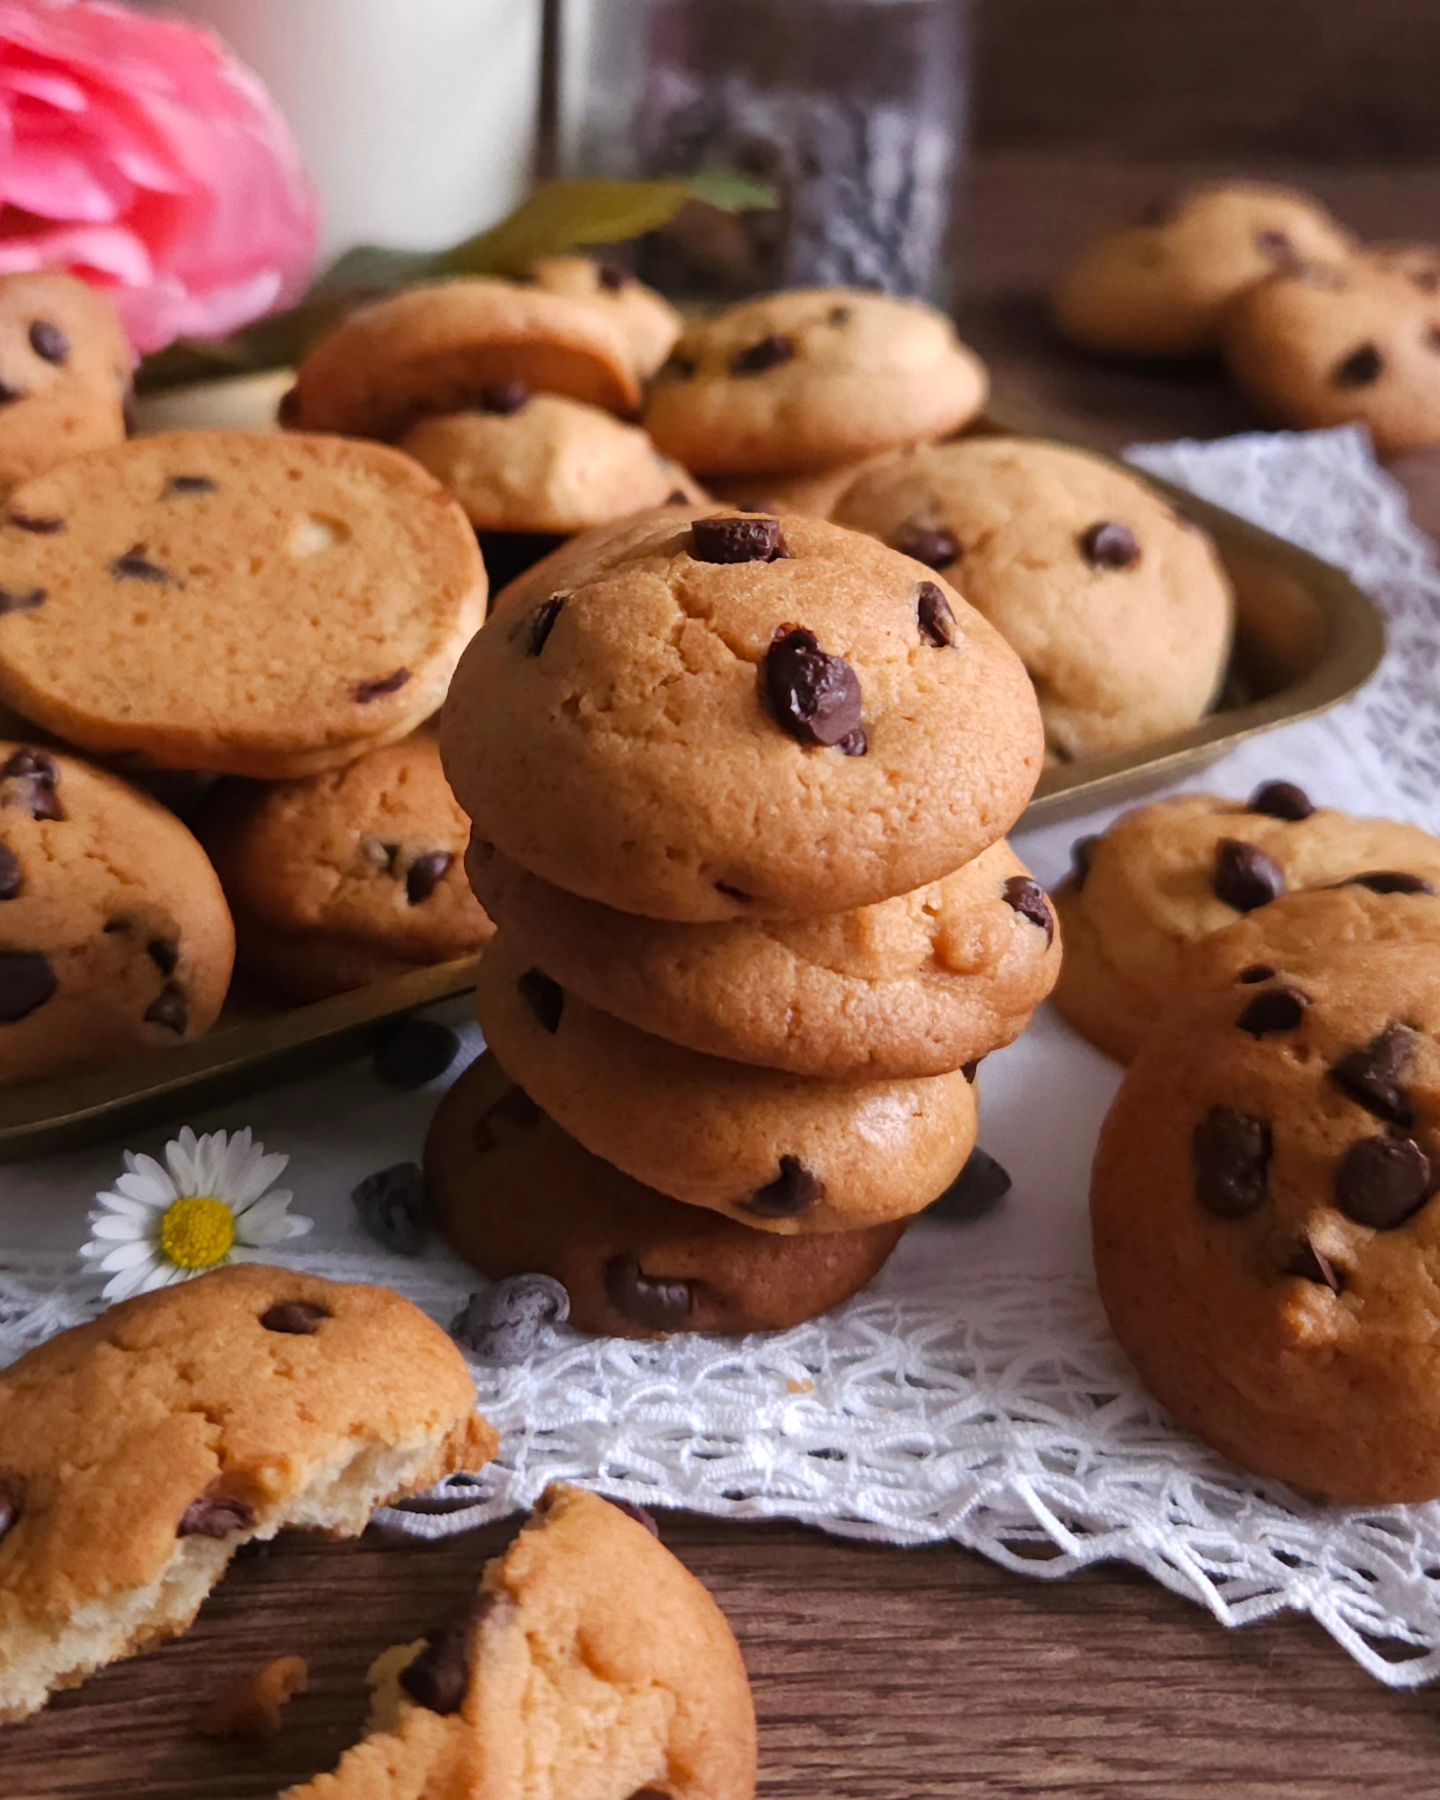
column 198, row 1232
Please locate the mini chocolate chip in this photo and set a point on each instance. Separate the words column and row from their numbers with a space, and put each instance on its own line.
column 393, row 1207
column 36, row 763
column 170, row 1010
column 188, row 484
column 544, row 997
column 27, row 981
column 9, row 394
column 1389, row 881
column 1382, row 1181
column 9, row 1514
column 1277, row 1009
column 387, row 684
column 652, row 1794
column 504, row 397
column 1245, row 877
column 677, row 367
column 651, row 1301
column 295, row 1318
column 854, row 743
column 1282, row 800
column 768, row 353
column 165, row 954
column 1232, row 1162
column 1312, row 1264
column 214, row 1517
column 737, row 540
column 1082, row 854
column 677, row 497
column 1027, row 897
column 134, row 565
column 793, row 1192
column 426, row 873
column 979, row 1187
column 505, row 1321
column 15, row 600
column 38, row 796
column 611, row 277
column 1359, row 368
column 932, row 545
column 1275, row 244
column 414, row 1052
column 936, row 620
column 41, row 527
column 840, row 315
column 1256, row 972
column 542, row 623
column 439, row 1677
column 287, row 412
column 12, row 876
column 812, row 695
column 1374, row 1075
column 49, row 341
column 1108, row 545
column 731, row 892
column 970, row 1070
column 503, row 1122
column 641, row 1517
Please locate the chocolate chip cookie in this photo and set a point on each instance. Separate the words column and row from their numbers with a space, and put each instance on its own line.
column 515, row 1196
column 811, row 378
column 815, row 491
column 115, row 937
column 1118, row 607
column 1267, row 1241
column 64, row 374
column 140, row 1451
column 249, row 604
column 1165, row 876
column 918, row 985
column 344, row 878
column 647, row 321
column 735, row 716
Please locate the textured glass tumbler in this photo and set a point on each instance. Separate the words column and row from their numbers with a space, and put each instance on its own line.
column 853, row 110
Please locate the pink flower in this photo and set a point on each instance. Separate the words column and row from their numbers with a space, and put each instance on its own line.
column 137, row 153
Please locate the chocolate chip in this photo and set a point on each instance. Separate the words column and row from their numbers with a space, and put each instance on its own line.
column 542, row 623
column 1277, row 1009
column 10, row 394
column 1382, row 1181
column 15, row 600
column 970, row 1070
column 1282, row 800
column 1082, row 854
column 26, row 982
column 1232, row 1162
column 840, row 315
column 1389, row 881
column 1256, row 972
column 544, row 997
column 12, row 876
column 49, row 341
column 611, row 277
column 793, row 1192
column 36, row 763
column 651, row 1301
column 1108, row 545
column 854, row 743
column 170, row 1010
column 731, row 892
column 677, row 497
column 387, row 684
column 41, row 527
column 641, row 1517
column 1374, row 1075
column 1359, row 368
column 439, row 1677
column 393, row 1207
column 652, row 1794
column 1027, row 897
column 677, row 368
column 286, row 412
column 165, row 954
column 295, row 1318
column 1312, row 1264
column 1245, row 877
column 1276, row 245
column 813, row 696
column 9, row 1515
column 936, row 620
column 214, row 1517
column 414, row 1052
column 932, row 545
column 768, row 353
column 188, row 484
column 505, row 1321
column 504, row 397
column 134, row 565
column 979, row 1187
column 737, row 540
column 37, row 784
column 426, row 873
column 503, row 1122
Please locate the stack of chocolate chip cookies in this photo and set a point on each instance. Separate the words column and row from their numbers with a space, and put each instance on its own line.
column 739, row 788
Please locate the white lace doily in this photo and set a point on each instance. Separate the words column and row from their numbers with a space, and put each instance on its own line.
column 973, row 1393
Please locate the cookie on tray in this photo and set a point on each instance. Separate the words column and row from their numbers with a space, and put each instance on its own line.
column 1267, row 1238
column 809, row 378
column 442, row 348
column 1117, row 605
column 778, row 1152
column 736, row 715
column 646, row 320
column 115, row 938
column 140, row 1451
column 64, row 375
column 815, row 491
column 341, row 879
column 243, row 603
column 1164, row 876
column 515, row 1196
column 918, row 985
column 591, row 1665
column 1158, row 287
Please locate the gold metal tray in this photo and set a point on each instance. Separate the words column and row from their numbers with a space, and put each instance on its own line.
column 1305, row 638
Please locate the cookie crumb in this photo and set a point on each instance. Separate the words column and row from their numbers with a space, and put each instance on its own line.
column 250, row 1706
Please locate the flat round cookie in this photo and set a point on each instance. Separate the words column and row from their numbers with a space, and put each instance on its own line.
column 514, row 1195
column 1118, row 606
column 64, row 374
column 249, row 604
column 684, row 734
column 646, row 320
column 1267, row 1239
column 810, row 378
column 780, row 1153
column 115, row 938
column 345, row 878
column 918, row 985
column 1158, row 287
column 443, row 348
column 1165, row 876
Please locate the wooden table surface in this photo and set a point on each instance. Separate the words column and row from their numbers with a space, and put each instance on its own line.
column 879, row 1674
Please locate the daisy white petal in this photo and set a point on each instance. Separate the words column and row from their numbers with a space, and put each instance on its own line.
column 257, row 1178
column 130, row 1281
column 126, row 1208
column 111, row 1225
column 148, row 1169
column 275, row 1229
column 144, row 1190
column 180, row 1160
column 125, row 1256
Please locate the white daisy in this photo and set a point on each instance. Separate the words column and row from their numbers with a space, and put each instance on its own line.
column 211, row 1202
